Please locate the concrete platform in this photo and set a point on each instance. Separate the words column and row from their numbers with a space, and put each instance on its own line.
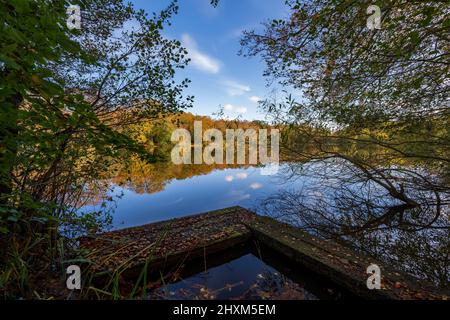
column 157, row 245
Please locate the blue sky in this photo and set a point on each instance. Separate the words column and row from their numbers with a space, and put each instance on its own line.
column 219, row 76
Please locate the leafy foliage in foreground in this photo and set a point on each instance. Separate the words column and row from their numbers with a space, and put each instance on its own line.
column 61, row 92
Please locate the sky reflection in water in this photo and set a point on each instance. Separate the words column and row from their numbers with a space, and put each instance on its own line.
column 218, row 189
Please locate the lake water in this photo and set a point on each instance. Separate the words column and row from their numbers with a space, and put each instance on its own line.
column 139, row 201
column 247, row 272
column 163, row 192
column 154, row 192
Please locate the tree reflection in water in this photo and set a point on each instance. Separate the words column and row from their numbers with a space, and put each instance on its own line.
column 396, row 214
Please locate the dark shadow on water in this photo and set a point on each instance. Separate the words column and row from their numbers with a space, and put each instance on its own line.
column 247, row 271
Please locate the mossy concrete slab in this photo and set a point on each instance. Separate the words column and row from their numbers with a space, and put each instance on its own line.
column 339, row 264
column 167, row 242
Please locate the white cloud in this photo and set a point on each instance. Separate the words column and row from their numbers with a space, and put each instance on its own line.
column 199, row 59
column 243, row 197
column 233, row 88
column 256, row 186
column 255, row 99
column 239, row 195
column 236, row 109
column 242, row 175
column 228, row 107
column 241, row 110
column 229, row 178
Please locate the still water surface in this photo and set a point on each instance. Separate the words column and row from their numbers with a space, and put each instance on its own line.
column 247, row 272
column 156, row 192
column 139, row 202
